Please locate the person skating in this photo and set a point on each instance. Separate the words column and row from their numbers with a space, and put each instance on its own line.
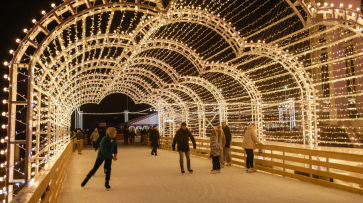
column 182, row 140
column 249, row 144
column 227, row 147
column 154, row 139
column 94, row 137
column 221, row 140
column 126, row 136
column 107, row 152
column 80, row 136
column 88, row 134
column 215, row 152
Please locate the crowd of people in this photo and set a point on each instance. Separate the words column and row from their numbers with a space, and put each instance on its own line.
column 220, row 144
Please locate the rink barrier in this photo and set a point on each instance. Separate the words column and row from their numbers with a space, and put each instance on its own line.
column 338, row 170
column 46, row 185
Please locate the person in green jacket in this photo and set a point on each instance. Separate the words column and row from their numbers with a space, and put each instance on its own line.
column 107, row 152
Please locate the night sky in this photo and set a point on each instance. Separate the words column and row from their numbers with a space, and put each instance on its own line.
column 16, row 15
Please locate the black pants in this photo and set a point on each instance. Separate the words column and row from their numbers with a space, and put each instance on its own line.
column 216, row 164
column 95, row 144
column 126, row 140
column 98, row 163
column 88, row 142
column 249, row 158
column 155, row 149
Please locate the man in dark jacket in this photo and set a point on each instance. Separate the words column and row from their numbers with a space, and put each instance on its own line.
column 154, row 139
column 227, row 147
column 182, row 140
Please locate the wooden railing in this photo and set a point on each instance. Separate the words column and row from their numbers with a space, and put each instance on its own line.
column 46, row 185
column 333, row 169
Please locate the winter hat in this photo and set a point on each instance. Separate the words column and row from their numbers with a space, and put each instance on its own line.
column 213, row 138
column 183, row 124
column 110, row 132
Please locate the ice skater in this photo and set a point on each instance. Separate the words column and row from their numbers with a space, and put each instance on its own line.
column 249, row 144
column 107, row 152
column 80, row 136
column 221, row 140
column 227, row 147
column 214, row 154
column 154, row 139
column 182, row 140
column 94, row 137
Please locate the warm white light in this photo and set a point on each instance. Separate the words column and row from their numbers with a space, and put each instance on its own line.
column 4, row 126
column 350, row 5
column 34, row 21
column 25, row 30
column 5, row 101
column 341, row 5
column 53, row 5
column 11, row 51
column 43, row 12
column 3, row 113
column 17, row 40
column 6, row 63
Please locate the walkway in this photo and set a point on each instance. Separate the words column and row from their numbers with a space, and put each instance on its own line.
column 139, row 177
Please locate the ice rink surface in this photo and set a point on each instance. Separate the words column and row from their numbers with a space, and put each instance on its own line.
column 137, row 176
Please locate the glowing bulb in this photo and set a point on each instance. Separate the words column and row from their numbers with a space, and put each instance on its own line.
column 341, row 5
column 6, row 63
column 325, row 4
column 11, row 51
column 5, row 101
column 43, row 12
column 331, row 5
column 3, row 127
column 4, row 114
column 17, row 40
column 53, row 5
column 350, row 5
column 6, row 76
column 34, row 21
column 25, row 30
column 6, row 89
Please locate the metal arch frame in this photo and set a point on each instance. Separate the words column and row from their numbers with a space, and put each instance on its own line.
column 196, row 99
column 160, row 94
column 299, row 75
column 248, row 84
column 204, row 83
column 211, row 21
column 184, row 50
column 293, row 6
column 212, row 89
column 54, row 15
column 337, row 15
column 175, row 97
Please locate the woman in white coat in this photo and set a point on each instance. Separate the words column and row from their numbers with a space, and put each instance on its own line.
column 249, row 144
